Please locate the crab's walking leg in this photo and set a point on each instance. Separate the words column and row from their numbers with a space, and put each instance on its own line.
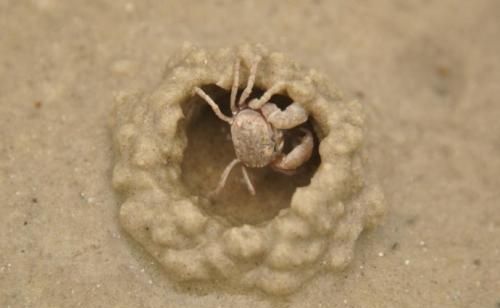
column 299, row 155
column 275, row 89
column 212, row 104
column 292, row 116
column 250, row 187
column 224, row 176
column 234, row 89
column 250, row 82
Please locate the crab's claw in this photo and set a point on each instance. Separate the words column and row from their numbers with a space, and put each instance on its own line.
column 288, row 163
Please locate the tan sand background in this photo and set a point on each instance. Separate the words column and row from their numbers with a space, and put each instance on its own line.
column 428, row 73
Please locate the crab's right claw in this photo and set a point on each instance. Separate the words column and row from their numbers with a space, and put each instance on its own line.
column 298, row 156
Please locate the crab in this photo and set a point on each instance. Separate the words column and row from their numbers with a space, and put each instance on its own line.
column 257, row 129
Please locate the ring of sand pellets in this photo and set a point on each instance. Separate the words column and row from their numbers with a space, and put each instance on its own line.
column 318, row 230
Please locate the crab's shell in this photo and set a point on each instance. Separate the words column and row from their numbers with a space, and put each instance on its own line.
column 253, row 139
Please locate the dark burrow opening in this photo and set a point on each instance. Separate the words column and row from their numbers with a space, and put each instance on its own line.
column 210, row 150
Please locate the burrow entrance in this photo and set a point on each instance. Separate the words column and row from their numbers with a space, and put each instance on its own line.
column 210, row 150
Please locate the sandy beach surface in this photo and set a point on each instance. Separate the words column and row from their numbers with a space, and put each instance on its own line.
column 427, row 73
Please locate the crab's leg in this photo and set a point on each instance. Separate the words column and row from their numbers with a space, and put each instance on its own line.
column 250, row 187
column 250, row 82
column 259, row 102
column 234, row 89
column 212, row 104
column 292, row 116
column 224, row 176
column 299, row 155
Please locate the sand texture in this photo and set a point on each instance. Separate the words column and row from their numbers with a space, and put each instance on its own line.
column 74, row 193
column 317, row 226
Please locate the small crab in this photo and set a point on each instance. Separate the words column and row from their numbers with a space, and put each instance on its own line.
column 257, row 128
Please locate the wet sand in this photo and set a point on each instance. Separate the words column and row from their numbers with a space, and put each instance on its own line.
column 428, row 74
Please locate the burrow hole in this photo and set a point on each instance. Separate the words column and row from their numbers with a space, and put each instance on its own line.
column 210, row 150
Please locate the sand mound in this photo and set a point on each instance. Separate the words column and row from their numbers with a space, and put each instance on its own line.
column 288, row 233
